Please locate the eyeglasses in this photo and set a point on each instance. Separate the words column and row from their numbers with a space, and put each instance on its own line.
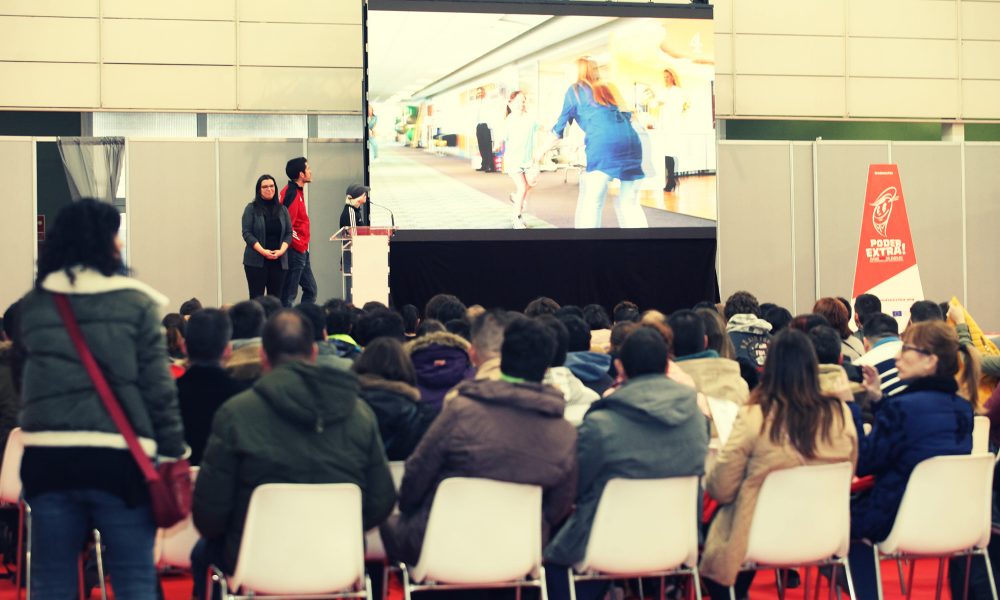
column 267, row 187
column 917, row 350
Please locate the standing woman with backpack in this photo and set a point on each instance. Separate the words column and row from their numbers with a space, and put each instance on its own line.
column 77, row 472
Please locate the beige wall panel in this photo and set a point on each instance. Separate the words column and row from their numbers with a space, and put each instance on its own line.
column 301, row 11
column 903, row 18
column 982, row 213
column 788, row 96
column 199, row 10
column 931, row 176
column 842, row 178
column 49, row 85
column 980, row 60
column 793, row 17
column 300, row 89
column 802, row 221
column 169, row 87
column 789, row 55
column 45, row 39
column 723, row 53
column 135, row 41
column 266, row 44
column 754, row 181
column 981, row 20
column 723, row 95
column 722, row 15
column 51, row 8
column 870, row 57
column 980, row 99
column 240, row 164
column 173, row 221
column 17, row 227
column 921, row 98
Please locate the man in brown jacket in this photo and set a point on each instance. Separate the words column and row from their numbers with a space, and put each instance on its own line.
column 508, row 430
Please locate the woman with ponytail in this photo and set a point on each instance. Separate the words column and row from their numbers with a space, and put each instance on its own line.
column 267, row 230
column 929, row 418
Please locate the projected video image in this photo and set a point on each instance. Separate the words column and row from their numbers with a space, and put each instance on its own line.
column 493, row 121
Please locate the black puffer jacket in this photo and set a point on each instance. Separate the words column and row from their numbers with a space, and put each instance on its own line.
column 402, row 418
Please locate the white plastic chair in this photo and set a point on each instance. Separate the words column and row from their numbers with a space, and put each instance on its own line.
column 802, row 519
column 174, row 545
column 980, row 434
column 480, row 534
column 643, row 528
column 954, row 493
column 300, row 540
column 374, row 549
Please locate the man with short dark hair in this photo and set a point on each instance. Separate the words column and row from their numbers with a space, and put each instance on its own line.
column 247, row 318
column 590, row 367
column 205, row 385
column 486, row 333
column 865, row 306
column 300, row 423
column 376, row 324
column 625, row 312
column 925, row 310
column 327, row 352
column 882, row 344
column 508, row 430
column 299, row 269
column 577, row 395
column 713, row 375
column 339, row 325
column 833, row 378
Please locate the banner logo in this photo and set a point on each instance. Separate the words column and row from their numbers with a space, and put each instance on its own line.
column 883, row 209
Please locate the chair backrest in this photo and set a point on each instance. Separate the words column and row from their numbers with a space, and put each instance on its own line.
column 176, row 543
column 644, row 526
column 302, row 539
column 10, row 470
column 802, row 515
column 954, row 493
column 980, row 434
column 481, row 531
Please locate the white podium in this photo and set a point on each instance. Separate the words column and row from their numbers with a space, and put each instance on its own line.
column 365, row 266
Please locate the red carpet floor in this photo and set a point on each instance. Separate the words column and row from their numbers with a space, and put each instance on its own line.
column 178, row 587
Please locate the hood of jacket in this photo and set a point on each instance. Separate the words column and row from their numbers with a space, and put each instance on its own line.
column 588, row 366
column 440, row 359
column 527, row 395
column 570, row 385
column 309, row 396
column 748, row 323
column 89, row 281
column 369, row 381
column 654, row 397
column 438, row 338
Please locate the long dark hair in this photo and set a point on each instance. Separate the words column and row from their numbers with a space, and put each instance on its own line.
column 386, row 358
column 789, row 393
column 266, row 207
column 83, row 234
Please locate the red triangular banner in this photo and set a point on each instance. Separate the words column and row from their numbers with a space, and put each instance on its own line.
column 886, row 247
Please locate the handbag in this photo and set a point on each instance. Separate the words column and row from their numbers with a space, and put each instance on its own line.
column 169, row 483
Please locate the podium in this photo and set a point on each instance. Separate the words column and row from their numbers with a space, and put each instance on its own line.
column 365, row 266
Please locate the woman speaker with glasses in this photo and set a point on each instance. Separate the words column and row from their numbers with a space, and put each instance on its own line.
column 267, row 230
column 929, row 418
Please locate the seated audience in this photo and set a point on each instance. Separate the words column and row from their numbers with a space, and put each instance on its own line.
column 474, row 311
column 339, row 323
column 175, row 328
column 883, row 345
column 778, row 317
column 718, row 339
column 508, row 430
column 600, row 327
column 206, row 385
column 619, row 332
column 787, row 422
column 541, row 306
column 865, row 306
column 388, row 384
column 11, row 361
column 441, row 361
column 190, row 307
column 624, row 435
column 713, row 375
column 270, row 304
column 411, row 318
column 378, row 323
column 327, row 351
column 247, row 318
column 625, row 311
column 748, row 332
column 833, row 380
column 590, row 367
column 487, row 339
column 429, row 326
column 444, row 307
column 925, row 420
column 300, row 423
column 459, row 327
column 989, row 364
column 925, row 310
column 557, row 375
column 834, row 311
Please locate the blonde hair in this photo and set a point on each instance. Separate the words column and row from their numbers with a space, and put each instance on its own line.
column 589, row 74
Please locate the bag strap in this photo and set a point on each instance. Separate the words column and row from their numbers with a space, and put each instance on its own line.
column 103, row 389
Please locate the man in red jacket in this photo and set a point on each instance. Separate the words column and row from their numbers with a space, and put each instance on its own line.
column 299, row 269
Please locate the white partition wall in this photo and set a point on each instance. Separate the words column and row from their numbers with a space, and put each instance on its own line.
column 17, row 227
column 982, row 217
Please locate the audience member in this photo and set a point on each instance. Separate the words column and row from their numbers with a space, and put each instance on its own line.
column 778, row 317
column 247, row 318
column 625, row 311
column 865, row 306
column 508, row 430
column 474, row 311
column 718, row 339
column 925, row 310
column 570, row 309
column 459, row 327
column 206, row 384
column 557, row 375
column 447, row 302
column 713, row 375
column 175, row 329
column 989, row 364
column 339, row 325
column 300, row 423
column 270, row 304
column 706, row 304
column 833, row 310
column 327, row 354
column 748, row 332
column 619, row 332
column 674, row 371
column 441, row 361
column 376, row 324
column 411, row 318
column 600, row 327
column 807, row 321
column 883, row 345
column 428, row 326
column 623, row 436
column 833, row 380
column 486, row 340
column 372, row 306
column 189, row 307
column 11, row 361
column 590, row 367
column 786, row 423
column 925, row 420
column 388, row 384
column 541, row 306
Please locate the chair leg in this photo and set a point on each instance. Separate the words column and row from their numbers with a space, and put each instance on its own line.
column 572, row 583
column 878, row 571
column 696, row 577
column 406, row 581
column 517, row 592
column 27, row 552
column 641, row 595
column 805, row 583
column 368, row 587
column 663, row 588
column 385, row 581
column 968, row 572
column 909, row 582
column 902, row 578
column 780, row 582
column 98, row 551
column 543, row 588
column 989, row 573
column 852, row 594
column 20, row 548
column 833, row 581
column 940, row 579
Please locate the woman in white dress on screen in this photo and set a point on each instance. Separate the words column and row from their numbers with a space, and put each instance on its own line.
column 519, row 145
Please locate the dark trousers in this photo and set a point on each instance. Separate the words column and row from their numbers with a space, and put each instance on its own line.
column 671, row 165
column 265, row 280
column 204, row 554
column 485, row 141
column 299, row 273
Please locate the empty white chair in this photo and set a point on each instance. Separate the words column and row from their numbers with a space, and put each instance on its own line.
column 174, row 545
column 300, row 539
column 480, row 534
column 643, row 528
column 980, row 434
column 946, row 511
column 802, row 518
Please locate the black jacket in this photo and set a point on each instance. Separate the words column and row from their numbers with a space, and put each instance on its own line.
column 200, row 392
column 402, row 418
column 360, row 216
column 255, row 230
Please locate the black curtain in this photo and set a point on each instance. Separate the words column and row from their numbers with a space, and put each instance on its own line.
column 666, row 274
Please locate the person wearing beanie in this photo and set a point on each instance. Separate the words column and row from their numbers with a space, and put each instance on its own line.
column 355, row 213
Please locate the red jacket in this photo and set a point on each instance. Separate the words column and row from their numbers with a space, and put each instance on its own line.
column 300, row 220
